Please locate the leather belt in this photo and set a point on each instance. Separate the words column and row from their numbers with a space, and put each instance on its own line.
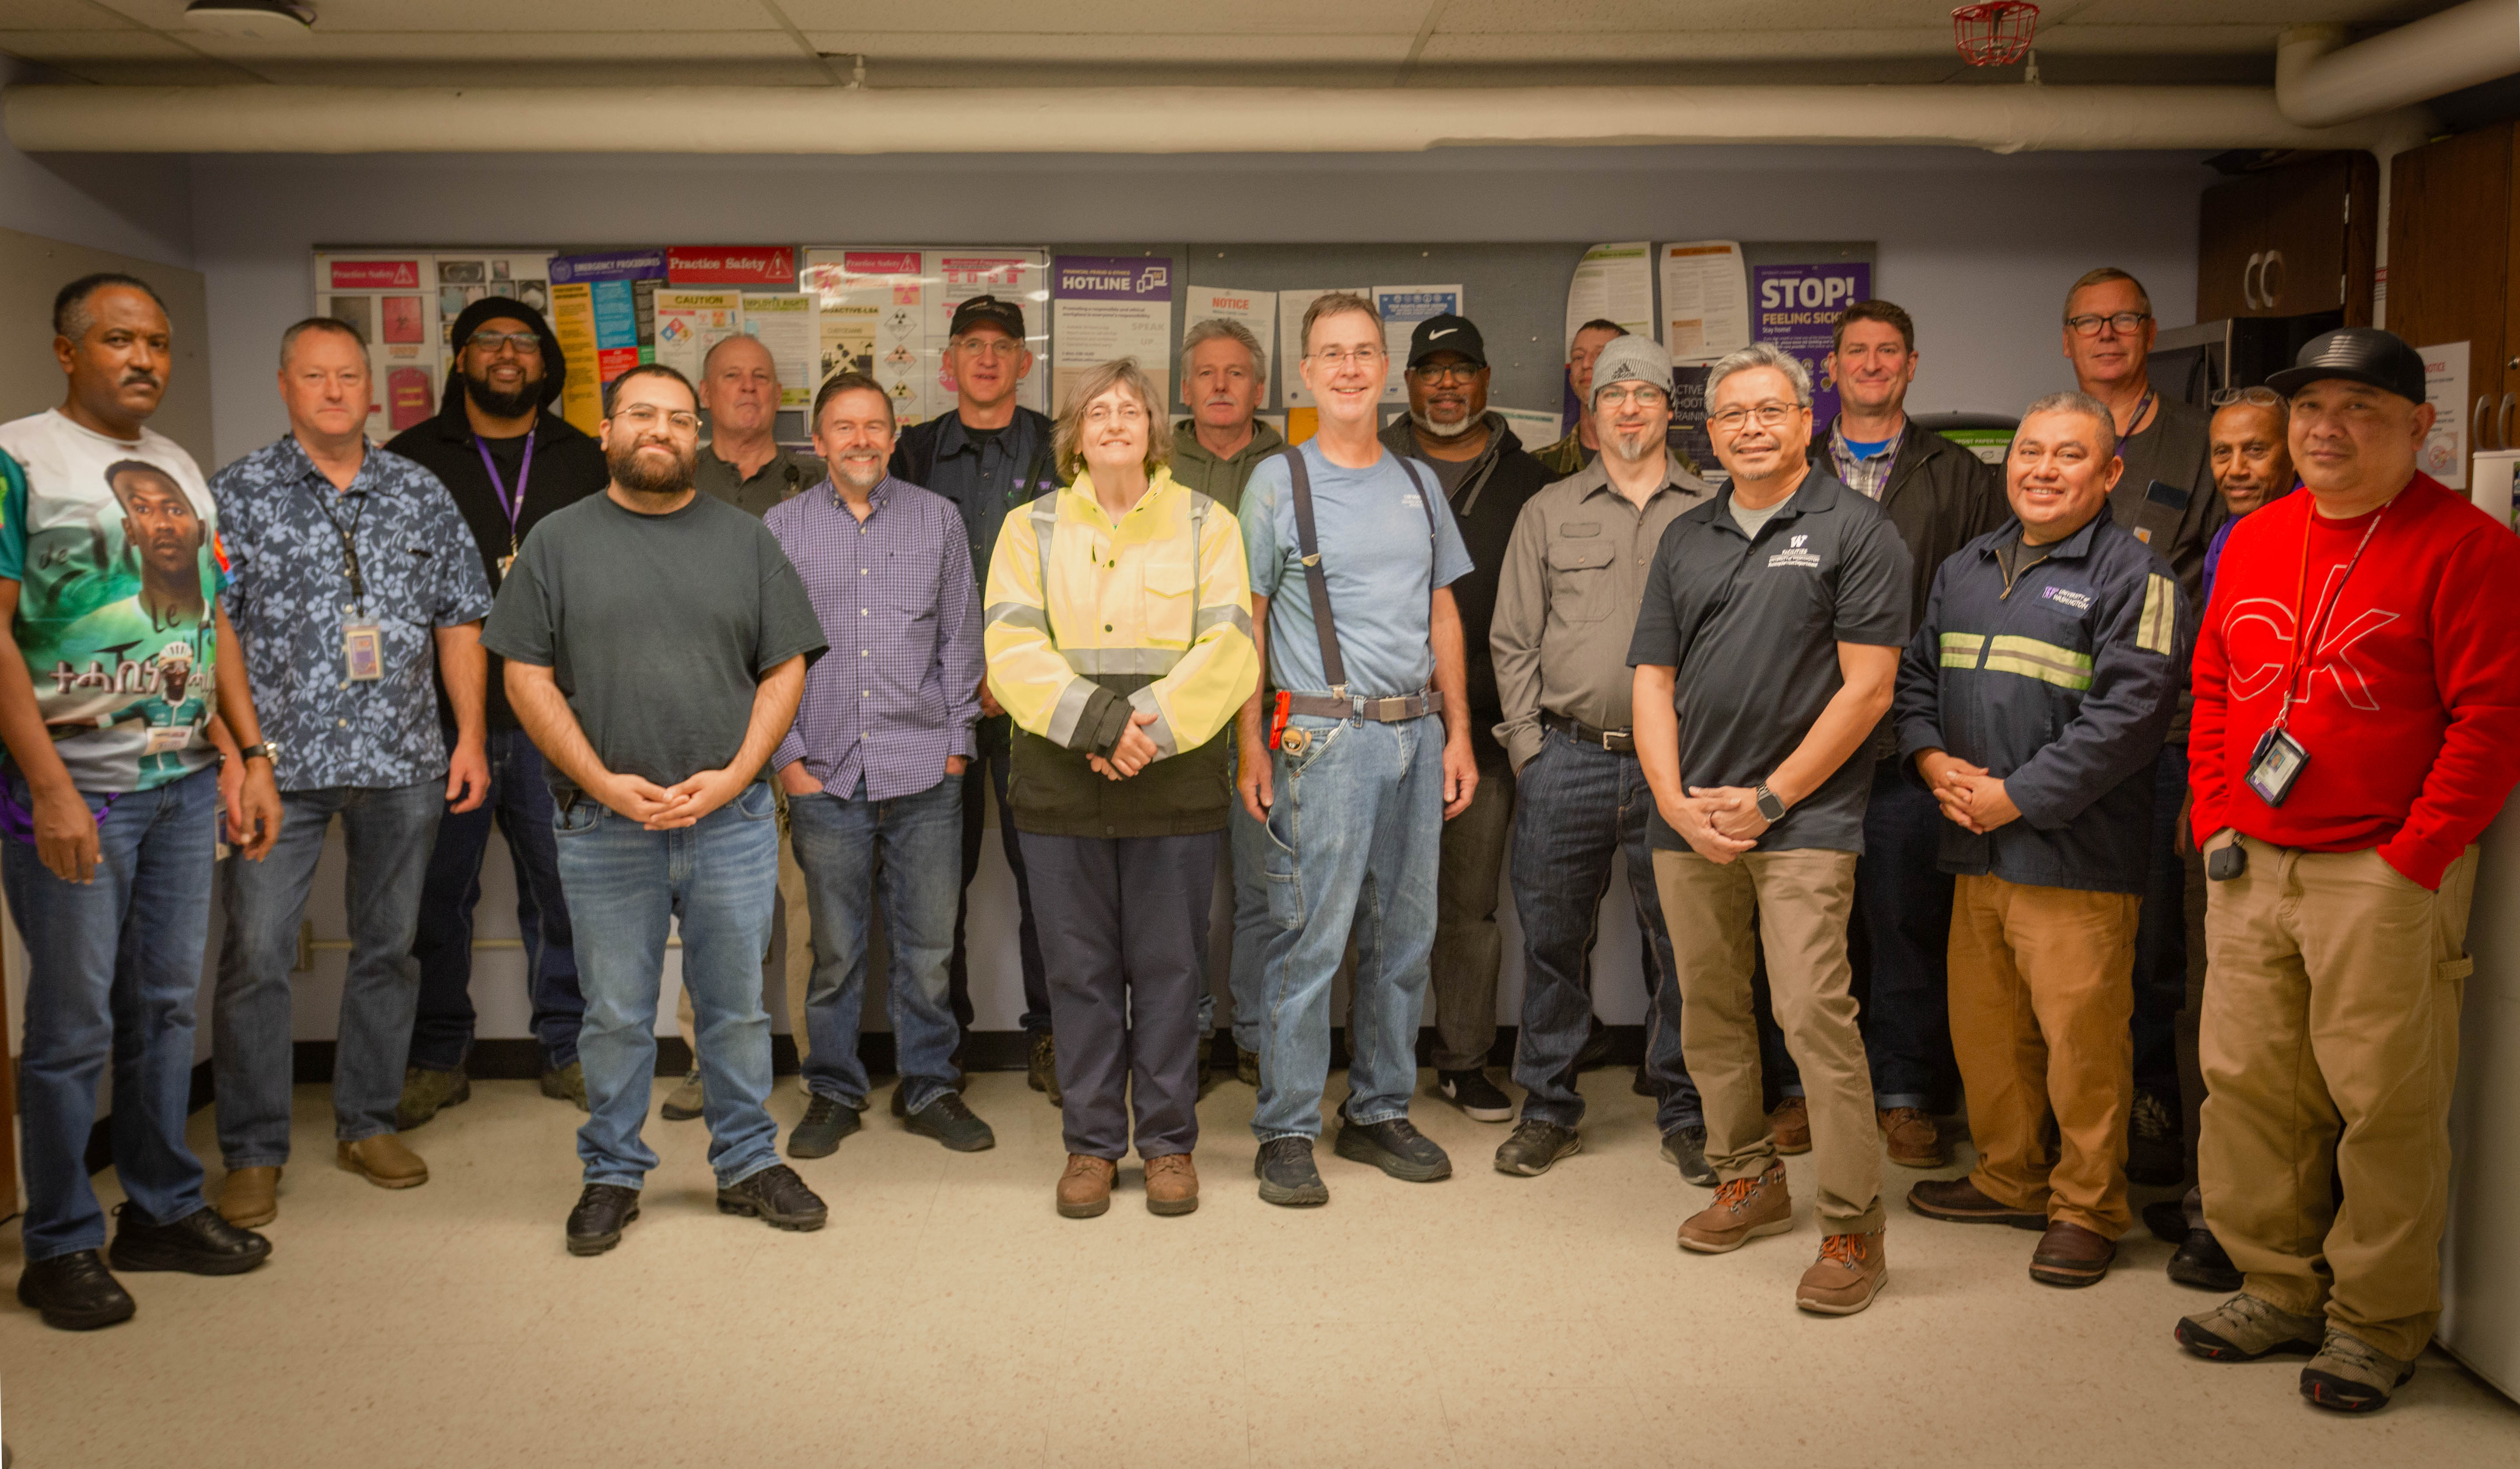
column 1616, row 741
column 1383, row 711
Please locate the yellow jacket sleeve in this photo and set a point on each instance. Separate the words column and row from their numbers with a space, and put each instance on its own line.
column 1217, row 673
column 1027, row 673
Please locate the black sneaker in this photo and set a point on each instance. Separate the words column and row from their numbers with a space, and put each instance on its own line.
column 1535, row 1145
column 1684, row 1148
column 1476, row 1095
column 1288, row 1175
column 2156, row 1151
column 776, row 1197
column 2202, row 1263
column 1396, row 1148
column 1596, row 1053
column 950, row 1121
column 828, row 1120
column 74, row 1292
column 200, row 1243
column 1041, row 1066
column 603, row 1212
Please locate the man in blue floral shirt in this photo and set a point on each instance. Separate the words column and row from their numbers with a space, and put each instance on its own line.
column 353, row 577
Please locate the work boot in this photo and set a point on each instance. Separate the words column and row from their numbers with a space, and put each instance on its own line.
column 828, row 1120
column 1288, row 1176
column 2070, row 1255
column 776, row 1197
column 200, row 1243
column 685, row 1102
column 249, row 1197
column 1743, row 1210
column 1791, row 1125
column 74, row 1292
column 1395, row 1146
column 1172, row 1185
column 1246, row 1067
column 1476, row 1095
column 425, row 1091
column 2350, row 1375
column 1040, row 1071
column 1685, row 1148
column 1534, row 1146
column 1913, row 1138
column 2156, row 1149
column 1960, row 1201
column 2202, row 1263
column 1085, row 1187
column 601, row 1212
column 384, row 1161
column 1845, row 1277
column 951, row 1122
column 567, row 1083
column 2245, row 1328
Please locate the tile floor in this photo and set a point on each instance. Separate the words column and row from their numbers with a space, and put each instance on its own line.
column 948, row 1316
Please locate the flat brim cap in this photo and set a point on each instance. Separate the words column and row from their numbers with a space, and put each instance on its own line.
column 2357, row 354
column 1632, row 359
column 1447, row 334
column 1004, row 315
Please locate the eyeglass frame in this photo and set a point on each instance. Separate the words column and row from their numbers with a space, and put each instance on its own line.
column 2126, row 323
column 641, row 414
column 1449, row 372
column 1783, row 414
column 2258, row 394
column 523, row 343
column 1334, row 358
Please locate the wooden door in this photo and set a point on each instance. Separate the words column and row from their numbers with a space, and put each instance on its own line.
column 2290, row 240
column 2450, row 256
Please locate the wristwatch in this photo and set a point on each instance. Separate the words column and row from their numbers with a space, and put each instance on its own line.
column 267, row 751
column 1768, row 806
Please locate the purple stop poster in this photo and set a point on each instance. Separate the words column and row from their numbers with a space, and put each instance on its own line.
column 1796, row 307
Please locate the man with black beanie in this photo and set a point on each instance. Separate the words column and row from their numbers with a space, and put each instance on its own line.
column 509, row 460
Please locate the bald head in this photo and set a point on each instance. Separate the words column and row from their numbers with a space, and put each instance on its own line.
column 740, row 389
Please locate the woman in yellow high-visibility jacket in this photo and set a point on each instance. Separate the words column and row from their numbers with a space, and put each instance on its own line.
column 1119, row 639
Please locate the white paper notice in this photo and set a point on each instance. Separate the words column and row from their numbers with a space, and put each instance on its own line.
column 1402, row 308
column 1256, row 310
column 690, row 322
column 784, row 323
column 1291, row 306
column 1613, row 283
column 1705, row 300
column 1533, row 428
column 2443, row 454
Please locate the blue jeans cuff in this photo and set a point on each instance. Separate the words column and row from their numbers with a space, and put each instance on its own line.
column 1269, row 1137
column 632, row 1182
column 1885, row 1101
column 1394, row 1114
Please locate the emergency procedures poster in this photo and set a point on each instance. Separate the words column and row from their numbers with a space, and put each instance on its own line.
column 1796, row 307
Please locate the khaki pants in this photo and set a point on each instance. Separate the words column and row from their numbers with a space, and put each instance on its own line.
column 1801, row 902
column 800, row 950
column 2331, row 1029
column 2043, row 986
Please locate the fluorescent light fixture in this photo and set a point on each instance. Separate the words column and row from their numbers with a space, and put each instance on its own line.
column 261, row 19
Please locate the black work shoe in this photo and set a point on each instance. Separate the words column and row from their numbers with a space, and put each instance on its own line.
column 2202, row 1263
column 603, row 1212
column 1643, row 1085
column 74, row 1292
column 1288, row 1175
column 776, row 1197
column 1041, row 1066
column 1476, row 1095
column 950, row 1121
column 200, row 1243
column 1535, row 1145
column 1396, row 1148
column 2156, row 1150
column 828, row 1120
column 1684, row 1148
column 2168, row 1221
column 1596, row 1053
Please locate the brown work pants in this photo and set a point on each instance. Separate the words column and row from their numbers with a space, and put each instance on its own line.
column 2043, row 985
column 2329, row 1044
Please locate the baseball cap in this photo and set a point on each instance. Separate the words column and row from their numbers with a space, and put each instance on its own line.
column 1633, row 357
column 978, row 310
column 2357, row 354
column 1447, row 334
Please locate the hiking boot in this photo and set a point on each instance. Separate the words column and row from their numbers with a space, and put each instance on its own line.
column 1791, row 1125
column 1913, row 1138
column 74, row 1292
column 2350, row 1375
column 2070, row 1255
column 1845, row 1277
column 425, row 1091
column 1596, row 1053
column 685, row 1102
column 2156, row 1151
column 828, row 1120
column 2202, row 1263
column 1960, row 1201
column 1476, row 1095
column 1286, row 1175
column 951, row 1122
column 1172, row 1185
column 1246, row 1067
column 1534, row 1145
column 1396, row 1148
column 603, row 1210
column 776, row 1197
column 567, row 1083
column 383, row 1160
column 1684, row 1148
column 1085, row 1187
column 249, row 1197
column 200, row 1243
column 2245, row 1328
column 1040, row 1071
column 1743, row 1211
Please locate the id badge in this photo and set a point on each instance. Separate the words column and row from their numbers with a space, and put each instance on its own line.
column 505, row 562
column 363, row 651
column 2275, row 765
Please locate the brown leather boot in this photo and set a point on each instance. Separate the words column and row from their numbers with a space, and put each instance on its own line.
column 1172, row 1185
column 1791, row 1125
column 1743, row 1210
column 1085, row 1189
column 2070, row 1255
column 1845, row 1277
column 250, row 1196
column 384, row 1161
column 1915, row 1140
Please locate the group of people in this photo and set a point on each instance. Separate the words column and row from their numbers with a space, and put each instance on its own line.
column 1909, row 755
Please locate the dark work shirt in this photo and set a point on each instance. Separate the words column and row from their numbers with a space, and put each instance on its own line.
column 787, row 474
column 985, row 473
column 1753, row 627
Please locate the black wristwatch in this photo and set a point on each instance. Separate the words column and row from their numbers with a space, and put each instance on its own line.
column 1768, row 806
column 267, row 751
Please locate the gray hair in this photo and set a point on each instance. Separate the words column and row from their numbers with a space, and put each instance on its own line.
column 1067, row 434
column 1221, row 328
column 2083, row 404
column 1760, row 354
column 288, row 339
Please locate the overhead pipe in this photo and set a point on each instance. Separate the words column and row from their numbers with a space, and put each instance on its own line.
column 2320, row 81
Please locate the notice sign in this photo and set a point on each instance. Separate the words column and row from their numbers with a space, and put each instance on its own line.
column 1705, row 300
column 1796, row 307
column 1256, row 310
column 2443, row 454
column 1107, row 307
column 1402, row 308
column 732, row 265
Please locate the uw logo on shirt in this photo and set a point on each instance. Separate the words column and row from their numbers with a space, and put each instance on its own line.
column 1794, row 556
column 2080, row 601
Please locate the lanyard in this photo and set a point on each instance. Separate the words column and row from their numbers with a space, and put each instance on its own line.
column 2305, row 645
column 349, row 545
column 524, row 471
column 2142, row 406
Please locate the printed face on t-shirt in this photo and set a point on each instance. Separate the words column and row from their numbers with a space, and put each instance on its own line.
column 160, row 523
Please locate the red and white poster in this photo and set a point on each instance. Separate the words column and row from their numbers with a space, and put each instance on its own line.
column 772, row 265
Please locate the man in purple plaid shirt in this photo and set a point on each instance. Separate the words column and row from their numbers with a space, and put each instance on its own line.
column 873, row 765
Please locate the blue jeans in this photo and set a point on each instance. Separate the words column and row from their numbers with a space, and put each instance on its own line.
column 900, row 854
column 1354, row 838
column 1247, row 847
column 991, row 737
column 1587, row 806
column 521, row 802
column 2161, row 937
column 386, row 829
column 113, row 969
column 625, row 884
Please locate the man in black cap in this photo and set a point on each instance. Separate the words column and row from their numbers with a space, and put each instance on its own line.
column 509, row 460
column 1487, row 477
column 991, row 455
column 2356, row 725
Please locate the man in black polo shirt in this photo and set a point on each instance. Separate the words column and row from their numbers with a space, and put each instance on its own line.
column 1774, row 615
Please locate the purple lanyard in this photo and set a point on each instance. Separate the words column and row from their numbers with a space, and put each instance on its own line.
column 19, row 822
column 524, row 471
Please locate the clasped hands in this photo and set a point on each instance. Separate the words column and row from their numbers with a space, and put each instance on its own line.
column 1971, row 798
column 1131, row 753
column 1718, row 822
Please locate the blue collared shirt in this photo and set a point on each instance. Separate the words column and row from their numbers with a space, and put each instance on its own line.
column 290, row 598
column 897, row 693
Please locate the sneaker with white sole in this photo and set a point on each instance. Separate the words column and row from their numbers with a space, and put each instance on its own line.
column 1479, row 1098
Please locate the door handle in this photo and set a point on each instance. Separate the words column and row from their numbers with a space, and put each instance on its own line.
column 2270, row 280
column 2248, row 289
column 2502, row 423
column 2477, row 421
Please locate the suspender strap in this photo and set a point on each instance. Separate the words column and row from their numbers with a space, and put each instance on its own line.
column 1314, row 579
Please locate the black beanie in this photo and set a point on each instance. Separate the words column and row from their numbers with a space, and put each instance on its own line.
column 490, row 308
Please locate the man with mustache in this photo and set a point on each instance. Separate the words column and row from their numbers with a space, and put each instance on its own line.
column 656, row 641
column 508, row 459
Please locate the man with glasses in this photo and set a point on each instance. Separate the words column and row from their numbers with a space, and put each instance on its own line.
column 989, row 456
column 508, row 460
column 2166, row 497
column 1781, row 607
column 1487, row 480
column 1582, row 443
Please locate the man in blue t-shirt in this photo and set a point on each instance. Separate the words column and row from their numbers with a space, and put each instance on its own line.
column 1363, row 779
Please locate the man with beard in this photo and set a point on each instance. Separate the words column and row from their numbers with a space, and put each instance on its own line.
column 1487, row 478
column 508, row 460
column 656, row 641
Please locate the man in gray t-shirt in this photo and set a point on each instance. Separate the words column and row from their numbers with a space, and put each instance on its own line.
column 656, row 641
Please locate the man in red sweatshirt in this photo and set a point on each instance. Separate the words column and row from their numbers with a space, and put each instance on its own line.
column 2342, row 776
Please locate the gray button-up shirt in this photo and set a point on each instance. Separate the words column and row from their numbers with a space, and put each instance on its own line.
column 1566, row 600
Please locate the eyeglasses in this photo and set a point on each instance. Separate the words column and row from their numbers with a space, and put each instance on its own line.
column 648, row 416
column 1768, row 415
column 1335, row 358
column 1641, row 394
column 2125, row 322
column 489, row 343
column 988, row 346
column 1450, row 372
column 2260, row 397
